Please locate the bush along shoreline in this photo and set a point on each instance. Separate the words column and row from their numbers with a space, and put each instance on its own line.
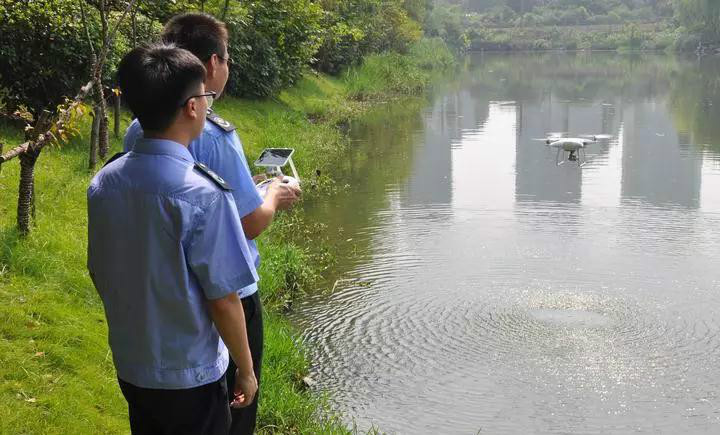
column 56, row 369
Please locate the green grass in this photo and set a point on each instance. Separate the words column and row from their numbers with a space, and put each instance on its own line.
column 56, row 370
column 390, row 74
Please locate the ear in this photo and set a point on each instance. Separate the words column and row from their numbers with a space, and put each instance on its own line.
column 190, row 110
column 211, row 66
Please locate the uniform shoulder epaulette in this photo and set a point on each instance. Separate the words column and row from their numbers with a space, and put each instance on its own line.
column 219, row 121
column 113, row 158
column 215, row 178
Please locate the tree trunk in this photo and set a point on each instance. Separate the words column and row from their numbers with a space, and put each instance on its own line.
column 101, row 111
column 26, row 192
column 103, row 132
column 133, row 24
column 94, row 132
column 225, row 10
column 1, row 151
column 116, row 102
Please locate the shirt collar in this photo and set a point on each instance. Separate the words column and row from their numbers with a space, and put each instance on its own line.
column 162, row 146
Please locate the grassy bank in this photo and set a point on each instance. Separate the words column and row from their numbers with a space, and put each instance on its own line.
column 56, row 371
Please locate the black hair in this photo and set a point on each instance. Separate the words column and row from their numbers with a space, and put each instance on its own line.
column 202, row 34
column 155, row 80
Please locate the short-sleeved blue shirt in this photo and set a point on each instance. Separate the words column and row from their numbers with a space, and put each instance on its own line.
column 222, row 152
column 163, row 238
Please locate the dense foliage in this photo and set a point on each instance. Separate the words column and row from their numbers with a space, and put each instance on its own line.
column 452, row 25
column 565, row 12
column 700, row 20
column 272, row 41
column 682, row 25
column 43, row 56
column 355, row 28
column 47, row 51
column 687, row 24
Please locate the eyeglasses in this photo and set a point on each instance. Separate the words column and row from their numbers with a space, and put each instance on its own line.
column 210, row 96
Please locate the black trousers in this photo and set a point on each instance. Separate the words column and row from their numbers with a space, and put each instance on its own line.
column 244, row 419
column 201, row 410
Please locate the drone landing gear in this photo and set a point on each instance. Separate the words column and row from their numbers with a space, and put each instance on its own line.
column 582, row 161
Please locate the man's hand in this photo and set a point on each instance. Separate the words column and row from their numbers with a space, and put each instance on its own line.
column 245, row 389
column 259, row 178
column 279, row 196
column 285, row 196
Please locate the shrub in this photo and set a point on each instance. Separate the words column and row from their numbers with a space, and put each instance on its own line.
column 501, row 14
column 271, row 43
column 386, row 74
column 256, row 68
column 664, row 40
column 356, row 28
column 390, row 28
column 432, row 54
column 447, row 22
column 44, row 56
column 389, row 74
column 48, row 56
column 340, row 46
column 685, row 41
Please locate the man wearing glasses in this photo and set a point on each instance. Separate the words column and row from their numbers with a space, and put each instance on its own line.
column 167, row 253
column 220, row 149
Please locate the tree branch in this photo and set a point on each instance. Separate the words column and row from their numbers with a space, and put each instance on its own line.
column 14, row 152
column 47, row 137
column 225, row 10
column 111, row 37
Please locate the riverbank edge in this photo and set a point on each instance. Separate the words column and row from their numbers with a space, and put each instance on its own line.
column 56, row 369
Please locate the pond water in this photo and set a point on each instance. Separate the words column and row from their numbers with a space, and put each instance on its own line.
column 485, row 289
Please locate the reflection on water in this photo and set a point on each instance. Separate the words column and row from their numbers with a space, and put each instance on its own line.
column 487, row 290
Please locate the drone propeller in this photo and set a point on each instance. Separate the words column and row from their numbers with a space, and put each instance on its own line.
column 596, row 137
column 552, row 134
column 543, row 139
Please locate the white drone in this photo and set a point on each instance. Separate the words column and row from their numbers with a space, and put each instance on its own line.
column 574, row 146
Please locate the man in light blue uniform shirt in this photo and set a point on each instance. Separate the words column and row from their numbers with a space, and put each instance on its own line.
column 167, row 253
column 155, row 270
column 220, row 149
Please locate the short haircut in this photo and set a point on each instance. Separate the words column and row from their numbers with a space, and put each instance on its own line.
column 155, row 80
column 201, row 34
